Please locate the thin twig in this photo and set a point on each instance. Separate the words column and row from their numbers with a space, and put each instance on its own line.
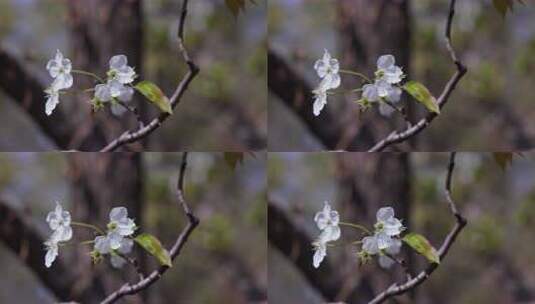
column 401, row 136
column 397, row 289
column 134, row 263
column 131, row 136
column 132, row 110
column 401, row 111
column 130, row 289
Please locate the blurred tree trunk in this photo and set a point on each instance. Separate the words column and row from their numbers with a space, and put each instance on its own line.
column 101, row 29
column 368, row 29
column 101, row 181
column 367, row 182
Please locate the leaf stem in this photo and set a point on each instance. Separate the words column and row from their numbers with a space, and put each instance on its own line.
column 356, row 226
column 97, row 229
column 88, row 74
column 355, row 74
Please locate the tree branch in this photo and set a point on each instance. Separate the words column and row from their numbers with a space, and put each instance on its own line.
column 19, row 235
column 400, row 136
column 141, row 132
column 28, row 92
column 130, row 289
column 296, row 94
column 397, row 289
column 296, row 245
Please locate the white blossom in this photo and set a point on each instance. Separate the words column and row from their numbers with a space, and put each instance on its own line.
column 370, row 245
column 120, row 71
column 120, row 222
column 388, row 70
column 320, row 100
column 385, row 238
column 370, row 92
column 51, row 252
column 113, row 91
column 327, row 221
column 125, row 248
column 320, row 251
column 387, row 223
column 327, row 69
column 52, row 100
column 60, row 69
column 59, row 221
column 393, row 249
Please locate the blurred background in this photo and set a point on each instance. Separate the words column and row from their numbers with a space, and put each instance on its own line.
column 491, row 109
column 224, row 260
column 224, row 108
column 491, row 261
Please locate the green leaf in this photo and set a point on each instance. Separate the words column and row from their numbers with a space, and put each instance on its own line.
column 421, row 245
column 233, row 159
column 422, row 95
column 155, row 95
column 153, row 246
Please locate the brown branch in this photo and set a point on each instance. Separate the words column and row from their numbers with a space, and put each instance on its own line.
column 19, row 235
column 141, row 132
column 28, row 93
column 401, row 136
column 130, row 289
column 293, row 242
column 397, row 289
column 294, row 91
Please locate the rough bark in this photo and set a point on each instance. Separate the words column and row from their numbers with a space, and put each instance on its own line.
column 367, row 182
column 368, row 29
column 101, row 29
column 101, row 181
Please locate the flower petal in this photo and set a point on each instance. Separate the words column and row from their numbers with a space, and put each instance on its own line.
column 384, row 214
column 385, row 61
column 319, row 254
column 319, row 102
column 51, row 253
column 118, row 213
column 102, row 92
column 385, row 262
column 117, row 261
column 118, row 61
column 51, row 103
column 369, row 244
column 383, row 240
column 370, row 93
column 102, row 244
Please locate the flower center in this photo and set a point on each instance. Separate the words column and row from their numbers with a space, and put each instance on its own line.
column 379, row 226
column 112, row 226
column 379, row 73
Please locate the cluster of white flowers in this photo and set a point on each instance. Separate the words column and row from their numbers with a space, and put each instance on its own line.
column 116, row 242
column 384, row 241
column 118, row 85
column 386, row 85
column 384, row 89
column 59, row 221
column 60, row 69
column 327, row 221
column 327, row 69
